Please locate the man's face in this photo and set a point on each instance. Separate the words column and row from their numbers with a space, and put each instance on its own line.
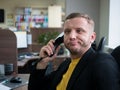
column 78, row 35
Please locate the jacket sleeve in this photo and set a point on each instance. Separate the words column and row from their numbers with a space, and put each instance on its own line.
column 38, row 80
column 106, row 73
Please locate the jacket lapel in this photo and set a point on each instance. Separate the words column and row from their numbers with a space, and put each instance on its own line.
column 79, row 68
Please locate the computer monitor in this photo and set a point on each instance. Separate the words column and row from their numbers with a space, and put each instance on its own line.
column 2, row 15
column 21, row 39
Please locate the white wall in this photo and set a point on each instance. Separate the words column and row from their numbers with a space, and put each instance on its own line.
column 109, row 22
column 114, row 24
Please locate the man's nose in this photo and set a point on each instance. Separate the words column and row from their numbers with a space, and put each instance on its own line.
column 73, row 35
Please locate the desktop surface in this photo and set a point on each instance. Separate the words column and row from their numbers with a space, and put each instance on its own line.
column 25, row 55
column 24, row 82
column 2, row 78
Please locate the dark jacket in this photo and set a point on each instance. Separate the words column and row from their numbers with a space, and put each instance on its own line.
column 95, row 71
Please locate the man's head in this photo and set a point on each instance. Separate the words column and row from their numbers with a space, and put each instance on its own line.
column 78, row 33
column 81, row 15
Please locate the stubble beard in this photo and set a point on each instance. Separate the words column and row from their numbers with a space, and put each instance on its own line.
column 77, row 51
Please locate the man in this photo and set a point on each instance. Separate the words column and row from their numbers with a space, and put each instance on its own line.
column 86, row 70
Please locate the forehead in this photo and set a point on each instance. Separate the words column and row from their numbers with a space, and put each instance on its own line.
column 76, row 22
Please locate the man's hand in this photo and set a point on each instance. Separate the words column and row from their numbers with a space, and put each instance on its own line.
column 46, row 52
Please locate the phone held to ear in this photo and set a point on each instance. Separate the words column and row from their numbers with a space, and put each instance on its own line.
column 57, row 42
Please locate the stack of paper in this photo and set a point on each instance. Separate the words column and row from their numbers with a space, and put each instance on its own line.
column 3, row 87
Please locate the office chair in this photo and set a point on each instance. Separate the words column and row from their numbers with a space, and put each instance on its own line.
column 94, row 46
column 116, row 54
column 101, row 45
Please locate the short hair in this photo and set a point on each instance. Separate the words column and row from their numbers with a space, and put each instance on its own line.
column 82, row 15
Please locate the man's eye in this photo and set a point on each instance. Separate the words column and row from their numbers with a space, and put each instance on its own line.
column 67, row 31
column 79, row 31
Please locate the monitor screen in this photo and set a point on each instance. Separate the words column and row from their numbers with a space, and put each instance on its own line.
column 21, row 39
column 1, row 15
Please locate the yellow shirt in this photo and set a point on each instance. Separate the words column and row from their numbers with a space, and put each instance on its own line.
column 63, row 84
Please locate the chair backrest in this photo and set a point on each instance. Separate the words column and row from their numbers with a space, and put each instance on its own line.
column 116, row 54
column 8, row 48
column 101, row 44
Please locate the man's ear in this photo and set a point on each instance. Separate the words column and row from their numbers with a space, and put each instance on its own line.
column 93, row 37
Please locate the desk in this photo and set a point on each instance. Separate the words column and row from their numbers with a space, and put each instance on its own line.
column 21, row 63
column 24, row 87
column 17, row 86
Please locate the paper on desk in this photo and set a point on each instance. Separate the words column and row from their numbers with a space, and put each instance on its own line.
column 3, row 87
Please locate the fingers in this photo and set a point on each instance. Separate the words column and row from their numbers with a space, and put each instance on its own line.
column 47, row 50
column 57, row 50
column 50, row 47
